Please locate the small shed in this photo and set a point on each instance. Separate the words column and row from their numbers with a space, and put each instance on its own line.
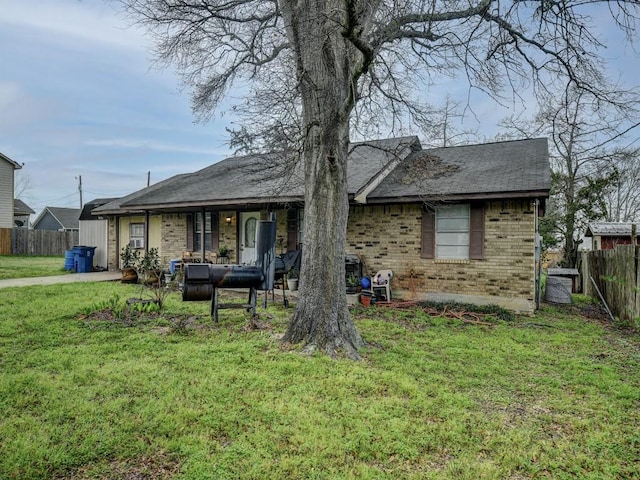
column 94, row 230
column 567, row 276
column 606, row 235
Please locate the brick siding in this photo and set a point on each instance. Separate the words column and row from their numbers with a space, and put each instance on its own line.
column 389, row 237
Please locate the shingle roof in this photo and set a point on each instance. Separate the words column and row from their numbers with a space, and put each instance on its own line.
column 259, row 179
column 115, row 206
column 610, row 229
column 67, row 217
column 20, row 208
column 90, row 206
column 379, row 171
column 499, row 169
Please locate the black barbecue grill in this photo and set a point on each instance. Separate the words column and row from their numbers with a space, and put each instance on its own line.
column 202, row 281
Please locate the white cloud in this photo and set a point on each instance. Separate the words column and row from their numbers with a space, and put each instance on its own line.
column 80, row 21
column 157, row 146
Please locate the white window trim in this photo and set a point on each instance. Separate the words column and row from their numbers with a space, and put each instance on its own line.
column 445, row 213
column 136, row 241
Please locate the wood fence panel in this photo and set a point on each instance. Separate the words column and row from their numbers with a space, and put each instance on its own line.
column 617, row 274
column 5, row 241
column 41, row 242
column 636, row 290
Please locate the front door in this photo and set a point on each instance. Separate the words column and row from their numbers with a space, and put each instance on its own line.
column 248, row 223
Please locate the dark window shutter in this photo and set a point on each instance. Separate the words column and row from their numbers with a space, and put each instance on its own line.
column 428, row 234
column 215, row 231
column 190, row 232
column 476, row 232
column 292, row 229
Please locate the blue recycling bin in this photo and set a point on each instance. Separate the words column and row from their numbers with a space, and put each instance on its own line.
column 83, row 258
column 69, row 260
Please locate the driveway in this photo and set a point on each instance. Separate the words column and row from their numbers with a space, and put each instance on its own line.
column 70, row 278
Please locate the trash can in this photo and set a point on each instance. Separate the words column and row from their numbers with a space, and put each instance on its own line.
column 83, row 258
column 173, row 264
column 69, row 260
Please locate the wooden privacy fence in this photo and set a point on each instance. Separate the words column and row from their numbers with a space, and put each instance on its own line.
column 5, row 241
column 23, row 241
column 617, row 274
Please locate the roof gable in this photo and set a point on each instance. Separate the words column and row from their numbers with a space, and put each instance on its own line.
column 15, row 164
column 67, row 218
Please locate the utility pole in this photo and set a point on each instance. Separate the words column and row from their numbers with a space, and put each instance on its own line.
column 148, row 177
column 79, row 177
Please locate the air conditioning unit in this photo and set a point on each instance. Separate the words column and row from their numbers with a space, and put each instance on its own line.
column 136, row 243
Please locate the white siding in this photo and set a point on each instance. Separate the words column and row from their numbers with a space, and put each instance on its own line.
column 6, row 194
column 93, row 233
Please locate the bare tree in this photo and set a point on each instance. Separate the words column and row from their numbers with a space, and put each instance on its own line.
column 444, row 128
column 587, row 147
column 346, row 62
column 22, row 185
column 623, row 197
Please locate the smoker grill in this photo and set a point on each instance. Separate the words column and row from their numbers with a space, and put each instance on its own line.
column 202, row 281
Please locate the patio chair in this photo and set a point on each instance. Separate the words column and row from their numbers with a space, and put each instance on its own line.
column 284, row 265
column 381, row 285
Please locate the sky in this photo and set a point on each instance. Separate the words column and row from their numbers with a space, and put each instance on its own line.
column 81, row 99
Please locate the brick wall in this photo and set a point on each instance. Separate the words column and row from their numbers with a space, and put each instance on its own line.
column 389, row 237
column 113, row 255
column 173, row 234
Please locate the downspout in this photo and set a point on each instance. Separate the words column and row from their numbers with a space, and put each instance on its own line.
column 203, row 234
column 537, row 282
column 146, row 231
column 117, row 220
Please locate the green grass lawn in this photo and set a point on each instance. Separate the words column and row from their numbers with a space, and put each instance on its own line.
column 18, row 266
column 552, row 396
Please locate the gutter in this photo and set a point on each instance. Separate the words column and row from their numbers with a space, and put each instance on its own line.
column 461, row 196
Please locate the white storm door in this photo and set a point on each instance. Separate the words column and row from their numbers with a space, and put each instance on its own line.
column 248, row 223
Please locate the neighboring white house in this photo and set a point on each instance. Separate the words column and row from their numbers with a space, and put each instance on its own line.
column 7, row 169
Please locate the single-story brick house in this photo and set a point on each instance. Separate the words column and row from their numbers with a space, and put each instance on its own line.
column 448, row 221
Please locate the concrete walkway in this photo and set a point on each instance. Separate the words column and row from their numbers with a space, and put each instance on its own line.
column 70, row 278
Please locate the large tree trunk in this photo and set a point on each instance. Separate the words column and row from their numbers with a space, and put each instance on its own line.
column 322, row 318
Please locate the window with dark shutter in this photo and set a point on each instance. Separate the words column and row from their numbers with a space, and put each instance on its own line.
column 215, row 231
column 190, row 232
column 292, row 229
column 450, row 233
column 428, row 234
